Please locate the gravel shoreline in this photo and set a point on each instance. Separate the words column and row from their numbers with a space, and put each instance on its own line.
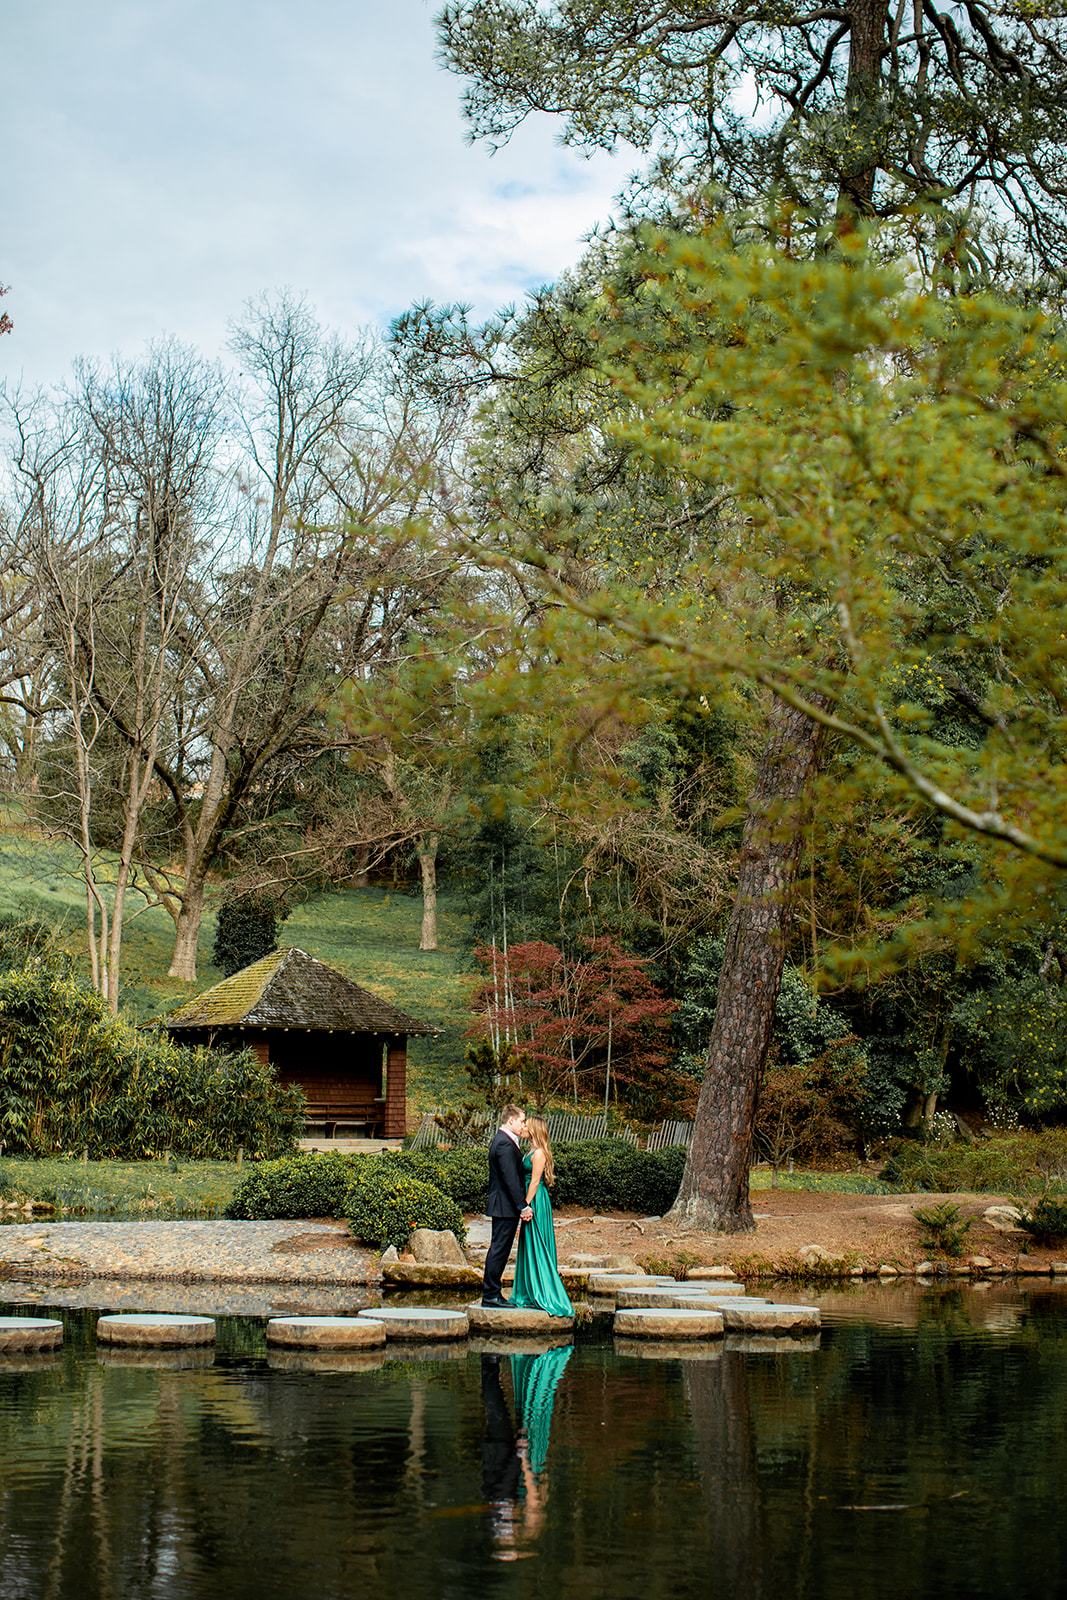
column 298, row 1253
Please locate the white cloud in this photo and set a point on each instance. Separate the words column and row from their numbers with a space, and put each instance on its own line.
column 175, row 158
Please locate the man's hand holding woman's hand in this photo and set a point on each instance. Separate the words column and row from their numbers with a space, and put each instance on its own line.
column 526, row 1214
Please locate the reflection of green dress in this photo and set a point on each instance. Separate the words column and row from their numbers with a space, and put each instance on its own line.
column 534, row 1379
column 537, row 1281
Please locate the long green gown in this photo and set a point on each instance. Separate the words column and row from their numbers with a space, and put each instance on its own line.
column 537, row 1282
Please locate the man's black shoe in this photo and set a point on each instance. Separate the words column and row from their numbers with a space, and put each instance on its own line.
column 500, row 1303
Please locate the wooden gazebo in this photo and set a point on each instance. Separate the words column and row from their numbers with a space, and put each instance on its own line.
column 317, row 1029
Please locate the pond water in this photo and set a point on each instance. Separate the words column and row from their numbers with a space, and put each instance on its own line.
column 917, row 1448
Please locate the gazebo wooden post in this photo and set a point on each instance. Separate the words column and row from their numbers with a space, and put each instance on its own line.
column 396, row 1086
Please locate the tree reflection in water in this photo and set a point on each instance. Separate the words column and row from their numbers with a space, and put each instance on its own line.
column 736, row 1533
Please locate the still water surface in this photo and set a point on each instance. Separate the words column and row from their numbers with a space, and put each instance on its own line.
column 924, row 1453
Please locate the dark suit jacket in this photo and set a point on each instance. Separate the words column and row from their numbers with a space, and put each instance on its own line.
column 507, row 1180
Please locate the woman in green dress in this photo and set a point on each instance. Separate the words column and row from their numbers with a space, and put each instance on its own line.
column 538, row 1286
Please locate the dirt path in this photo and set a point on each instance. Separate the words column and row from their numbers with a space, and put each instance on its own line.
column 864, row 1232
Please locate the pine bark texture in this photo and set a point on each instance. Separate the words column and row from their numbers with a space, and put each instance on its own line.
column 714, row 1189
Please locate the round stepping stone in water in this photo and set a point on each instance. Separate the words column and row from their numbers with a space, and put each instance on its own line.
column 759, row 1316
column 661, row 1297
column 507, row 1319
column 668, row 1324
column 162, row 1330
column 283, row 1358
column 607, row 1283
column 326, row 1333
column 21, row 1334
column 419, row 1322
column 714, row 1286
column 668, row 1349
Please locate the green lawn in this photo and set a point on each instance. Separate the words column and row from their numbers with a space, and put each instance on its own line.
column 370, row 934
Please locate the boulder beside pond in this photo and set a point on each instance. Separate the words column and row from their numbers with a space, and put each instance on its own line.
column 434, row 1248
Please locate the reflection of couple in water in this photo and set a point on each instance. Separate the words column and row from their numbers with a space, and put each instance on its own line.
column 513, row 1458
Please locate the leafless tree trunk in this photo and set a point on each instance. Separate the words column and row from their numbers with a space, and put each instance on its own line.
column 426, row 849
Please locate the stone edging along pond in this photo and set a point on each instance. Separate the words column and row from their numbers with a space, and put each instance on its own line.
column 320, row 1253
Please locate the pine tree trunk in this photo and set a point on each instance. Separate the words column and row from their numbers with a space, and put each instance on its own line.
column 427, row 852
column 714, row 1191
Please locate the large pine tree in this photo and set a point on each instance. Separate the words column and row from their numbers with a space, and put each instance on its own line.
column 863, row 111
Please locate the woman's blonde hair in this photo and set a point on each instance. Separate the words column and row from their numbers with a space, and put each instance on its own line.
column 537, row 1128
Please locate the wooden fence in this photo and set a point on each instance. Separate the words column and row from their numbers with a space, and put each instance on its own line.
column 442, row 1127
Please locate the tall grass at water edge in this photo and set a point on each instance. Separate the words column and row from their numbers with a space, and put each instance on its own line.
column 158, row 1190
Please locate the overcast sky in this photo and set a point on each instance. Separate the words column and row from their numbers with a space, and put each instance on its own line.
column 166, row 159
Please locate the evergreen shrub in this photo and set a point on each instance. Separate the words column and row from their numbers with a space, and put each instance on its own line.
column 384, row 1205
column 246, row 928
column 461, row 1174
column 73, row 1077
column 613, row 1175
column 1046, row 1221
column 603, row 1174
column 296, row 1186
column 1004, row 1163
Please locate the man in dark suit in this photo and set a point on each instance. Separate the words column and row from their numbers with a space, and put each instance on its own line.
column 507, row 1200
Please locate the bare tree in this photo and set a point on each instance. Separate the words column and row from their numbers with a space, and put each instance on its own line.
column 316, row 581
column 119, row 491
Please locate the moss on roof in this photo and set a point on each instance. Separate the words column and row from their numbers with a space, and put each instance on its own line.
column 290, row 989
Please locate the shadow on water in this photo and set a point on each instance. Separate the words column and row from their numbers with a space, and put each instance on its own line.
column 923, row 1455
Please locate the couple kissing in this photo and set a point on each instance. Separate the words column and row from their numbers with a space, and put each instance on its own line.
column 518, row 1194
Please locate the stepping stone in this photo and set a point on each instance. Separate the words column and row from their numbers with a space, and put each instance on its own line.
column 668, row 1324
column 714, row 1286
column 281, row 1358
column 182, row 1358
column 606, row 1283
column 428, row 1275
column 326, row 1333
column 161, row 1329
column 660, row 1297
column 419, row 1322
column 708, row 1274
column 769, row 1344
column 21, row 1334
column 754, row 1316
column 496, row 1320
column 668, row 1349
column 587, row 1262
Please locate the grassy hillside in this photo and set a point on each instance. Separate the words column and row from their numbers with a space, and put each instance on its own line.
column 370, row 934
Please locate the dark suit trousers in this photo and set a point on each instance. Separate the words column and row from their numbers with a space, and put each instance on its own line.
column 497, row 1258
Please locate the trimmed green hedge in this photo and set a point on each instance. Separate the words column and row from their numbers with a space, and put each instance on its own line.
column 612, row 1175
column 295, row 1186
column 384, row 1206
column 601, row 1174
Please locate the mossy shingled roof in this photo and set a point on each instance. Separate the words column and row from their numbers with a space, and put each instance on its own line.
column 290, row 989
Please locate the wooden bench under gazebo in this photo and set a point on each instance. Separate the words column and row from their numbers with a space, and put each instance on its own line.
column 317, row 1029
